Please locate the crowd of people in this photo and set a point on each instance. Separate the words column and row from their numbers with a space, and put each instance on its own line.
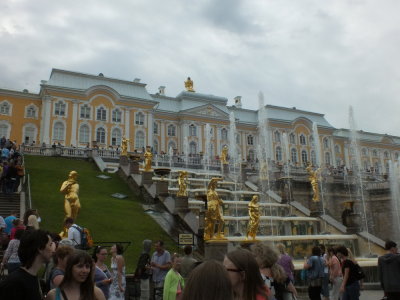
column 11, row 166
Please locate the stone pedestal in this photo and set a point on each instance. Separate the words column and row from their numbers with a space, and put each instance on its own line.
column 181, row 204
column 225, row 169
column 162, row 188
column 215, row 250
column 147, row 177
column 316, row 209
column 123, row 160
column 134, row 167
column 353, row 222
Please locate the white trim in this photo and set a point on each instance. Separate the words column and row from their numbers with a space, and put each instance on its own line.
column 57, row 100
column 36, row 108
column 8, row 124
column 64, row 133
column 35, row 135
column 10, row 107
column 90, row 113
column 107, row 113
column 101, row 125
column 79, row 133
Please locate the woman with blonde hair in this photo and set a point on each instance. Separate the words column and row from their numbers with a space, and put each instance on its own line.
column 285, row 261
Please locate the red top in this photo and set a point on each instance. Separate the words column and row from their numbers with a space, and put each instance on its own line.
column 14, row 230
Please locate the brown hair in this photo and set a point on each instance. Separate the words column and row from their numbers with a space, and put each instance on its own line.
column 62, row 252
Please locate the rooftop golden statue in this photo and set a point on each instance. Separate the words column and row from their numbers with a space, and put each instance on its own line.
column 189, row 85
column 314, row 176
column 254, row 214
column 148, row 156
column 182, row 181
column 224, row 155
column 124, row 147
column 214, row 213
column 70, row 188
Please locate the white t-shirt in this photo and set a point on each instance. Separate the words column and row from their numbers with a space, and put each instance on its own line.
column 74, row 235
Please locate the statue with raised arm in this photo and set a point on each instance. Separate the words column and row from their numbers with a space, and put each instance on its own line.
column 313, row 177
column 148, row 156
column 182, row 182
column 70, row 188
column 189, row 85
column 124, row 147
column 254, row 214
column 214, row 213
column 224, row 155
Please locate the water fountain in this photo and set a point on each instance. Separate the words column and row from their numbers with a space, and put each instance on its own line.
column 186, row 150
column 317, row 144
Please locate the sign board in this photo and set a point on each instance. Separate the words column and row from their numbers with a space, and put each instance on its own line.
column 186, row 239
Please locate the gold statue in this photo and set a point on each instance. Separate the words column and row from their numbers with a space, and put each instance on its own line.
column 254, row 214
column 214, row 213
column 70, row 188
column 124, row 147
column 182, row 181
column 147, row 159
column 189, row 85
column 224, row 155
column 314, row 181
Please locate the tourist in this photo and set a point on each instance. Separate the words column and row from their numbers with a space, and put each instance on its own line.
column 325, row 280
column 102, row 276
column 188, row 262
column 174, row 282
column 74, row 233
column 286, row 261
column 11, row 258
column 78, row 280
column 60, row 261
column 335, row 273
column 18, row 224
column 160, row 265
column 315, row 273
column 209, row 280
column 143, row 270
column 246, row 280
column 273, row 274
column 117, row 288
column 31, row 219
column 389, row 271
column 9, row 221
column 350, row 286
column 11, row 178
column 35, row 249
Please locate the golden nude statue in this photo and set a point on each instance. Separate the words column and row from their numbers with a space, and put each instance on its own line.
column 254, row 214
column 148, row 156
column 182, row 182
column 70, row 188
column 314, row 181
column 214, row 213
column 224, row 155
column 189, row 85
column 124, row 147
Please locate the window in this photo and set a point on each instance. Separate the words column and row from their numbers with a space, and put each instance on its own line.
column 386, row 154
column 277, row 136
column 5, row 109
column 171, row 130
column 59, row 108
column 224, row 134
column 250, row 140
column 327, row 158
column 58, row 131
column 192, row 130
column 337, row 149
column 3, row 130
column 139, row 140
column 84, row 134
column 326, row 143
column 155, row 128
column 294, row 155
column 116, row 116
column 251, row 155
column 304, row 157
column 139, row 118
column 31, row 112
column 101, row 135
column 364, row 151
column 303, row 140
column 116, row 137
column 313, row 158
column 101, row 114
column 375, row 153
column 278, row 153
column 85, row 112
column 292, row 138
column 192, row 148
column 29, row 135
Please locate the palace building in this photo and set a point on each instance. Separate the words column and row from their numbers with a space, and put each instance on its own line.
column 77, row 109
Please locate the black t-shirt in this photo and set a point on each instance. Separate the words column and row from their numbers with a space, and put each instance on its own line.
column 352, row 275
column 20, row 285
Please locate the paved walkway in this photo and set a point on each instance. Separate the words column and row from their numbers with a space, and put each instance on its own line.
column 365, row 295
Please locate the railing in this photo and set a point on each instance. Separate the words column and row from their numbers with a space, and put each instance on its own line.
column 70, row 151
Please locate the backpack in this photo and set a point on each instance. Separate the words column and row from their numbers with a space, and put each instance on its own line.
column 86, row 238
column 358, row 272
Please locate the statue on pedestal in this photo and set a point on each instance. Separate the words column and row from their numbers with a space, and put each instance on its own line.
column 254, row 214
column 72, row 206
column 189, row 85
column 147, row 159
column 224, row 155
column 124, row 147
column 314, row 175
column 214, row 213
column 182, row 182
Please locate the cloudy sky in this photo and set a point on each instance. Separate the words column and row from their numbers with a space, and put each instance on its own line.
column 319, row 56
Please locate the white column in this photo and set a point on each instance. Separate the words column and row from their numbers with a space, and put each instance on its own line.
column 371, row 162
column 46, row 114
column 150, row 129
column 74, row 122
column 127, row 123
column 162, row 133
column 200, row 145
column 333, row 155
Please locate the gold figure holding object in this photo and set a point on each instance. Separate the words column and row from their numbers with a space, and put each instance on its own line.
column 254, row 214
column 70, row 188
column 314, row 182
column 224, row 155
column 147, row 159
column 214, row 213
column 189, row 85
column 124, row 147
column 182, row 181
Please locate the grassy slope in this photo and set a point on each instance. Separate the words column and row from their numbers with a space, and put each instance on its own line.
column 107, row 218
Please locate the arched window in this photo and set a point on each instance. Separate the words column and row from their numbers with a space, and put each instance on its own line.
column 58, row 131
column 304, row 157
column 59, row 108
column 327, row 158
column 155, row 128
column 303, row 140
column 171, row 130
column 313, row 158
column 31, row 112
column 4, row 130
column 337, row 149
column 116, row 115
column 192, row 130
column 278, row 154
column 139, row 140
column 224, row 134
column 85, row 111
column 101, row 135
column 326, row 143
column 101, row 114
column 292, row 138
column 155, row 146
column 293, row 155
column 139, row 118
column 116, row 137
column 29, row 135
column 250, row 140
column 277, row 136
column 5, row 108
column 192, row 148
column 84, row 134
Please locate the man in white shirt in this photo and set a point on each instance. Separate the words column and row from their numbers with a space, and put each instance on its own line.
column 74, row 233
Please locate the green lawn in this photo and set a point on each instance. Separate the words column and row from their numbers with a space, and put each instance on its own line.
column 107, row 218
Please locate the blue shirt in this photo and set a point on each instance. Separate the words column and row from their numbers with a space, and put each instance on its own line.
column 160, row 259
column 9, row 224
column 5, row 152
